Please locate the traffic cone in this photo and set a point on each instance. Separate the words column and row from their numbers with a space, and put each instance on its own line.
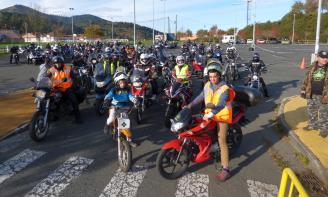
column 302, row 65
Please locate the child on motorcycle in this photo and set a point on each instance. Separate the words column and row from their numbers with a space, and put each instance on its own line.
column 119, row 98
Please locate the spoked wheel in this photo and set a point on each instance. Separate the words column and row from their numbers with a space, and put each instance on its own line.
column 124, row 155
column 37, row 130
column 171, row 166
column 234, row 138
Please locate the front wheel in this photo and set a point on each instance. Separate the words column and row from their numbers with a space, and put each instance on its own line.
column 37, row 129
column 170, row 164
column 99, row 108
column 170, row 113
column 124, row 155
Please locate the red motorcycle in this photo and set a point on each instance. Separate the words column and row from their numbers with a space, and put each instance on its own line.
column 141, row 89
column 197, row 142
column 197, row 68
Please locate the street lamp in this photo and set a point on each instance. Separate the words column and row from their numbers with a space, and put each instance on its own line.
column 317, row 37
column 153, row 21
column 134, row 24
column 72, row 24
column 253, row 45
column 164, row 17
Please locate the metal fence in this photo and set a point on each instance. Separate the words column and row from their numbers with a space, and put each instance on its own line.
column 288, row 176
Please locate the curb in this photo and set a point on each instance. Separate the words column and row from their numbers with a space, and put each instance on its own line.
column 23, row 127
column 314, row 163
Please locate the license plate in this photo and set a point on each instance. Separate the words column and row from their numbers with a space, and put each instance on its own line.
column 123, row 123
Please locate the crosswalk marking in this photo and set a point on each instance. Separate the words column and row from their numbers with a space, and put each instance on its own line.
column 193, row 185
column 125, row 184
column 258, row 189
column 15, row 164
column 61, row 177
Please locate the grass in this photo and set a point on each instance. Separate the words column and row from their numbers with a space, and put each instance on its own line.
column 302, row 158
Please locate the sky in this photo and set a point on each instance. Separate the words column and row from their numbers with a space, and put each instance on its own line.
column 191, row 14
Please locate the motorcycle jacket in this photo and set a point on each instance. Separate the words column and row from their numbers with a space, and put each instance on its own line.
column 61, row 79
column 120, row 97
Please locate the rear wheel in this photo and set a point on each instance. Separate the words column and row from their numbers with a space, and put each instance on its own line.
column 169, row 165
column 125, row 155
column 234, row 138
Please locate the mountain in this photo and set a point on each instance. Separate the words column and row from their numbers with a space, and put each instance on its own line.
column 18, row 17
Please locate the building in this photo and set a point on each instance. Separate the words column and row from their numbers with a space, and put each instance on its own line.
column 30, row 38
column 9, row 35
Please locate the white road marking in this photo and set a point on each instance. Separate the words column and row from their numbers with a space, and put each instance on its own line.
column 258, row 189
column 15, row 164
column 61, row 177
column 125, row 184
column 12, row 142
column 193, row 185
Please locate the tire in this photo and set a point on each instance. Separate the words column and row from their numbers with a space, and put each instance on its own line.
column 98, row 108
column 37, row 134
column 170, row 155
column 170, row 113
column 139, row 116
column 234, row 138
column 126, row 159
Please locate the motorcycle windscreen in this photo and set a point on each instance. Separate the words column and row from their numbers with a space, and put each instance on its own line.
column 247, row 96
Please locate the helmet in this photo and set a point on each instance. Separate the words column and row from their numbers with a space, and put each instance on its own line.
column 157, row 46
column 217, row 46
column 144, row 58
column 120, row 76
column 180, row 60
column 115, row 56
column 214, row 66
column 94, row 59
column 106, row 56
column 256, row 57
column 58, row 61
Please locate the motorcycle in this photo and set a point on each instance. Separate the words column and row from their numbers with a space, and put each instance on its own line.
column 49, row 105
column 102, row 87
column 197, row 139
column 34, row 57
column 255, row 81
column 230, row 73
column 121, row 132
column 177, row 95
column 85, row 77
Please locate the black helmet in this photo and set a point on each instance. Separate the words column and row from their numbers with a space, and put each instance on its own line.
column 256, row 57
column 58, row 59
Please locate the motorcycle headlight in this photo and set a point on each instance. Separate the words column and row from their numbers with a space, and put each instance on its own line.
column 40, row 94
column 137, row 84
column 255, row 77
column 84, row 71
column 100, row 84
column 175, row 127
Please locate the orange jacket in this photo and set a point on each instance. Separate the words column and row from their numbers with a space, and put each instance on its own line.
column 57, row 77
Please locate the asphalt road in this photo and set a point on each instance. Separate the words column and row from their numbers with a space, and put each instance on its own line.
column 79, row 160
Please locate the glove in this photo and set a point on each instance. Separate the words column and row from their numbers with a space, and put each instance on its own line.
column 208, row 116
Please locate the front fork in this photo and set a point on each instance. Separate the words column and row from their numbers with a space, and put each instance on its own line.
column 183, row 143
column 38, row 108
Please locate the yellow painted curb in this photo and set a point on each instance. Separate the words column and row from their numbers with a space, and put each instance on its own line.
column 295, row 113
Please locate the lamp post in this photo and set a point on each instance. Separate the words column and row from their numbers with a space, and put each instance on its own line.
column 153, row 21
column 72, row 24
column 134, row 23
column 164, row 18
column 293, row 30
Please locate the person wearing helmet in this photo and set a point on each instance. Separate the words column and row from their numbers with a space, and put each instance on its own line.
column 257, row 65
column 118, row 98
column 150, row 71
column 181, row 71
column 44, row 68
column 61, row 76
column 218, row 97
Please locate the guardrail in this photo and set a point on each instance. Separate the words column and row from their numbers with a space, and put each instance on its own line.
column 288, row 174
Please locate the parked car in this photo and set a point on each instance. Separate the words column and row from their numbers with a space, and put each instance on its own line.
column 260, row 41
column 249, row 41
column 286, row 41
column 241, row 41
column 273, row 41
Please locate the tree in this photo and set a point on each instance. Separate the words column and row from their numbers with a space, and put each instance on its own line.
column 231, row 31
column 93, row 32
column 189, row 33
column 298, row 7
column 213, row 31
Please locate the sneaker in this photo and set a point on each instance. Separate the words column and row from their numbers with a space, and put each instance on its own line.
column 223, row 175
column 106, row 129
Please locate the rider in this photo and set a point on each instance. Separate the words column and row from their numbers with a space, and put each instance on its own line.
column 13, row 51
column 62, row 80
column 119, row 97
column 181, row 71
column 218, row 97
column 150, row 72
column 44, row 68
column 257, row 65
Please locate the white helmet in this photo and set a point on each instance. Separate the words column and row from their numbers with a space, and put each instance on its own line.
column 144, row 58
column 180, row 60
column 119, row 77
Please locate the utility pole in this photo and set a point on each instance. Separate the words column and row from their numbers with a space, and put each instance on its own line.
column 26, row 31
column 176, row 27
column 293, row 30
column 317, row 37
column 153, row 21
column 164, row 18
column 254, row 28
column 168, row 25
column 112, row 29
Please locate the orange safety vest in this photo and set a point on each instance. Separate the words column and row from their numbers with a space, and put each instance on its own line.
column 58, row 76
column 225, row 115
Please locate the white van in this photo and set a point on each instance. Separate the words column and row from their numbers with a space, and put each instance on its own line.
column 228, row 39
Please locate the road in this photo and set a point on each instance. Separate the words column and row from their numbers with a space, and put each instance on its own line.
column 79, row 160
